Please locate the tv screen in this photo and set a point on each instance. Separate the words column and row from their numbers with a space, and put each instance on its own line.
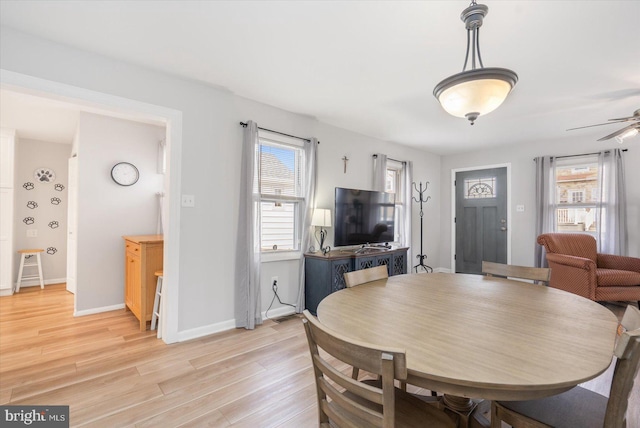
column 363, row 217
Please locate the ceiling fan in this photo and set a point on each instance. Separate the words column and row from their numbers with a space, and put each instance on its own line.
column 628, row 131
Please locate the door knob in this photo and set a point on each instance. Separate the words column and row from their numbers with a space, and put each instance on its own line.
column 503, row 228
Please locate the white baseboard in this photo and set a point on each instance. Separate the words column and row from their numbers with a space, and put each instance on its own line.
column 98, row 310
column 282, row 311
column 30, row 283
column 206, row 330
column 36, row 283
column 199, row 332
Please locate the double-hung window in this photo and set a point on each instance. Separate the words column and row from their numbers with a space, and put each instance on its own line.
column 393, row 184
column 281, row 187
column 576, row 183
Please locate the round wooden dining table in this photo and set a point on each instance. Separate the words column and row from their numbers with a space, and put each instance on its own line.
column 471, row 336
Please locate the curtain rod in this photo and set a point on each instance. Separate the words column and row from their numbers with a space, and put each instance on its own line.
column 375, row 155
column 583, row 154
column 244, row 125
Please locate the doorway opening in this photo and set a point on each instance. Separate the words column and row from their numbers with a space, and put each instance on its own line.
column 117, row 107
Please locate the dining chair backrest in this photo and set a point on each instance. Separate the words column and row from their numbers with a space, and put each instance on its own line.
column 346, row 409
column 627, row 351
column 363, row 276
column 513, row 271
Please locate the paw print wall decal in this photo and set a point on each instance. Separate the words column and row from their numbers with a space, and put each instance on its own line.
column 28, row 185
column 56, row 201
column 32, row 204
column 28, row 220
column 53, row 224
column 44, row 175
column 59, row 187
column 51, row 251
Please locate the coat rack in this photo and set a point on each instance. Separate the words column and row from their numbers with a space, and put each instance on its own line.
column 421, row 200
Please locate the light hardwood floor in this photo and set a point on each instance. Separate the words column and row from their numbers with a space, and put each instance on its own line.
column 113, row 375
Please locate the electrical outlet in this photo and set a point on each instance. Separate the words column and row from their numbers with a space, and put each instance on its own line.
column 188, row 201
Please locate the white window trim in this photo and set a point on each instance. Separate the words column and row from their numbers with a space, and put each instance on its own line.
column 270, row 255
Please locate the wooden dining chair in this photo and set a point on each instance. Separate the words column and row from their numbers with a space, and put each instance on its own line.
column 580, row 407
column 523, row 272
column 363, row 276
column 345, row 402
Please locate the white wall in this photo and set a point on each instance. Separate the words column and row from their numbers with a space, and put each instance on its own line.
column 334, row 144
column 523, row 189
column 211, row 151
column 41, row 206
column 106, row 210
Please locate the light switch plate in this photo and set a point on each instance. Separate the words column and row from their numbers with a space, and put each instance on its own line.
column 520, row 208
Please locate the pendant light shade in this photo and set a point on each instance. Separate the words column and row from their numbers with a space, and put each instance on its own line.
column 478, row 91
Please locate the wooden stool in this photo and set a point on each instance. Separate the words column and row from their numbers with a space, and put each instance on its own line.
column 24, row 253
column 156, row 303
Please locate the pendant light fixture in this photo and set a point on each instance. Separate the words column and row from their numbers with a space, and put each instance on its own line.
column 480, row 90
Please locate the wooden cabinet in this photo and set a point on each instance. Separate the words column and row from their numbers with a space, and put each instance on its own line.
column 142, row 257
column 324, row 274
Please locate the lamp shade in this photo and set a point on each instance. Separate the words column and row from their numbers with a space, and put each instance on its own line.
column 476, row 92
column 321, row 217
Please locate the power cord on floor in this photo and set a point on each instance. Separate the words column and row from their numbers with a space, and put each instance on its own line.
column 274, row 287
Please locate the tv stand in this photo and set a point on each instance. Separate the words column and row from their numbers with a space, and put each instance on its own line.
column 324, row 273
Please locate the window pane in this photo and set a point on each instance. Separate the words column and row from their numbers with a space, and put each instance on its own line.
column 576, row 220
column 390, row 182
column 480, row 188
column 278, row 225
column 281, row 170
column 577, row 184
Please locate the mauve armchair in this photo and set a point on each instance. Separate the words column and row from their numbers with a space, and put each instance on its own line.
column 577, row 267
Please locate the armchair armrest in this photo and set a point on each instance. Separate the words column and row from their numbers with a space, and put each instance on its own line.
column 571, row 261
column 612, row 261
column 574, row 274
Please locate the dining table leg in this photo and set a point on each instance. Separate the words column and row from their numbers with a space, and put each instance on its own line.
column 467, row 410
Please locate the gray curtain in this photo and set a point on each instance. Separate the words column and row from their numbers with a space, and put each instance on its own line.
column 247, row 306
column 406, row 198
column 545, row 203
column 379, row 172
column 311, row 171
column 611, row 213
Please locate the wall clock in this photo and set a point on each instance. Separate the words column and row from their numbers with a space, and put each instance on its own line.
column 125, row 173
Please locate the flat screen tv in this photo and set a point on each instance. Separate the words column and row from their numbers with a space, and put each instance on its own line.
column 363, row 217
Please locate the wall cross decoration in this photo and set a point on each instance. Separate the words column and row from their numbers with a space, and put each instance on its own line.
column 345, row 159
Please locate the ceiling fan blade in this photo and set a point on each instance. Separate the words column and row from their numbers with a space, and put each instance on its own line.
column 626, row 119
column 591, row 126
column 618, row 132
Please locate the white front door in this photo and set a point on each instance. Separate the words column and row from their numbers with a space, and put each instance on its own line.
column 480, row 218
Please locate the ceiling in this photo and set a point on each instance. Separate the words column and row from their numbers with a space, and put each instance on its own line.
column 371, row 67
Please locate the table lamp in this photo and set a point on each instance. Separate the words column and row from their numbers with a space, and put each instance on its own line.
column 322, row 218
